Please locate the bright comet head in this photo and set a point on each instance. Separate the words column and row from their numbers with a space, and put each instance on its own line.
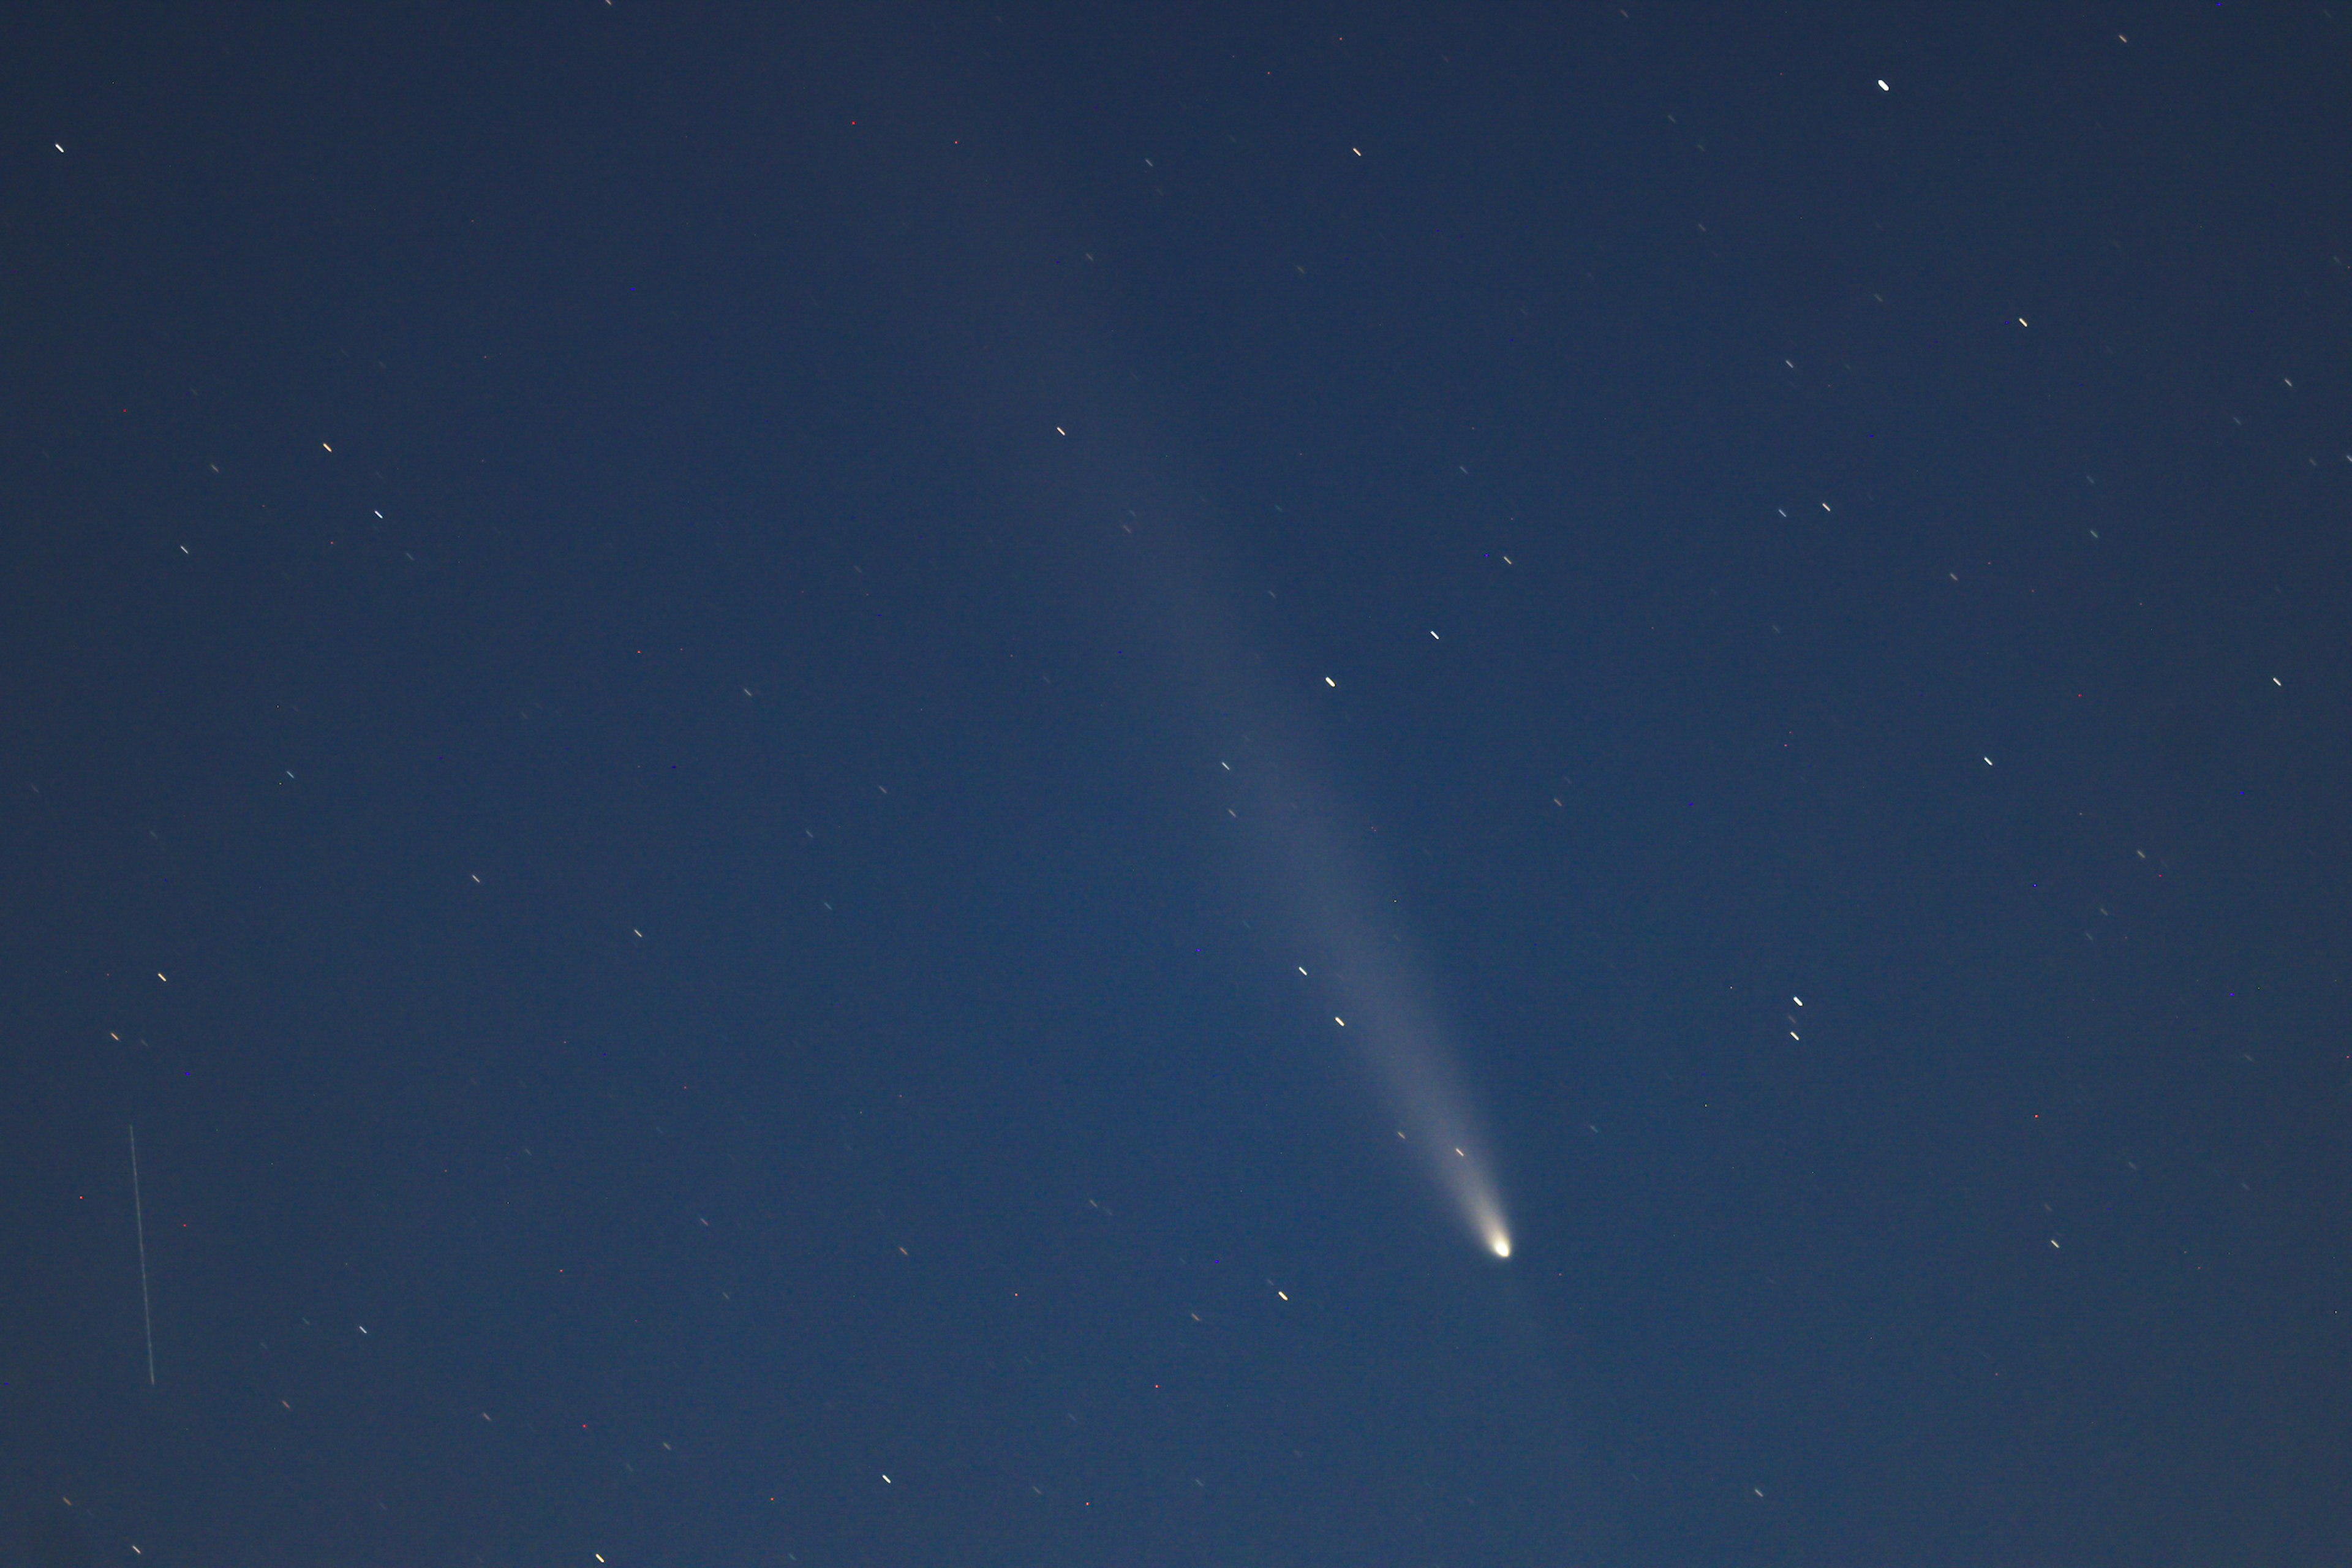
column 1485, row 1215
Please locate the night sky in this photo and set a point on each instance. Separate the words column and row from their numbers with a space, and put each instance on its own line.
column 803, row 767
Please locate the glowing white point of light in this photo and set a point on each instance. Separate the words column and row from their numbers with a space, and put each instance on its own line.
column 1500, row 1243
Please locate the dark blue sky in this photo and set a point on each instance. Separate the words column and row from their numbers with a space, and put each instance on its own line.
column 681, row 687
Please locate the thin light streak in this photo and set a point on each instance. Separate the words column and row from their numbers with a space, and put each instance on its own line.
column 139, row 1209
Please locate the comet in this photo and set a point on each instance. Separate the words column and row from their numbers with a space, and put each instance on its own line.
column 1328, row 896
column 1122, row 523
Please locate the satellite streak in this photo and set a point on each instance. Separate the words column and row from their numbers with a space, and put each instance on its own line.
column 138, row 1211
